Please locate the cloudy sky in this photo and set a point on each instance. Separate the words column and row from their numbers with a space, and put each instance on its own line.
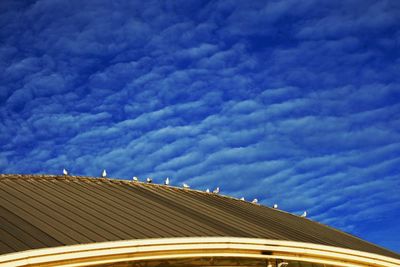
column 291, row 102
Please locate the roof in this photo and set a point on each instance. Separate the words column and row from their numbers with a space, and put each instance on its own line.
column 42, row 211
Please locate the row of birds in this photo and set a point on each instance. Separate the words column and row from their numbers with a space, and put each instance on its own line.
column 185, row 185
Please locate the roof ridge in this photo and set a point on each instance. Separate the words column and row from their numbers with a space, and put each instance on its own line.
column 128, row 182
column 109, row 180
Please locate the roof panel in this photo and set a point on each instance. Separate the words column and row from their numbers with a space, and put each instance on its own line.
column 47, row 211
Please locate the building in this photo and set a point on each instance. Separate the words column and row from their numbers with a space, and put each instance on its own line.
column 80, row 221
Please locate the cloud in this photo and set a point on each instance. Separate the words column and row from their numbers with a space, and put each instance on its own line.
column 372, row 17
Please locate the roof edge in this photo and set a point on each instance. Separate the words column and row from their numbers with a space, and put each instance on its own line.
column 115, row 181
column 169, row 248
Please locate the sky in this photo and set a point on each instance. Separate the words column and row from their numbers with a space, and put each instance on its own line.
column 290, row 102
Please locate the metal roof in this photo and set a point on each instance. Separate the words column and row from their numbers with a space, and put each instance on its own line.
column 38, row 211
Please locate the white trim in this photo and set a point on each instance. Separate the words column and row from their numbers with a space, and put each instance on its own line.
column 170, row 248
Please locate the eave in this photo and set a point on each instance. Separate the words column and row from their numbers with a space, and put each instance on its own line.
column 175, row 248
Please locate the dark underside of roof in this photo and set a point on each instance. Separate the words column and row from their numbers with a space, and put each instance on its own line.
column 38, row 211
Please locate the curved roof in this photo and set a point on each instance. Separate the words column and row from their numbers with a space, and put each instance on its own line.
column 44, row 211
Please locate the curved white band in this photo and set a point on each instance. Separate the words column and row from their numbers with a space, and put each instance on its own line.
column 190, row 247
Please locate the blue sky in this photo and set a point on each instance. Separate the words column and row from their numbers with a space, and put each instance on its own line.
column 291, row 102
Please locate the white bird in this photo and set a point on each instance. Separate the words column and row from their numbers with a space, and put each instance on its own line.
column 65, row 172
column 275, row 206
column 185, row 185
column 304, row 214
column 208, row 190
column 149, row 180
column 166, row 181
column 216, row 190
column 104, row 174
column 242, row 198
column 255, row 201
column 135, row 179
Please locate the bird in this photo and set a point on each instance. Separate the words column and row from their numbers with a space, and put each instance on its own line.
column 135, row 179
column 185, row 185
column 149, row 180
column 255, row 201
column 104, row 174
column 166, row 182
column 208, row 190
column 275, row 206
column 304, row 214
column 216, row 190
column 65, row 172
column 242, row 198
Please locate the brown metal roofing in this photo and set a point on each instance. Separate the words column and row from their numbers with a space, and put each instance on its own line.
column 38, row 211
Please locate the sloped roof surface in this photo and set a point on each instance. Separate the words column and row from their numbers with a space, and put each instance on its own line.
column 38, row 211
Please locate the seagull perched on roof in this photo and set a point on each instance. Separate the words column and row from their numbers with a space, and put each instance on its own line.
column 242, row 198
column 255, row 201
column 65, row 172
column 104, row 174
column 135, row 179
column 208, row 190
column 275, row 206
column 149, row 180
column 166, row 182
column 216, row 190
column 185, row 185
column 304, row 214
